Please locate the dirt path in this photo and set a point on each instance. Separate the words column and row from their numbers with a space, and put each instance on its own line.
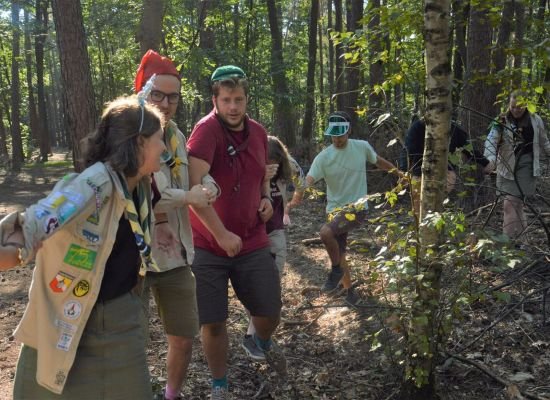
column 325, row 341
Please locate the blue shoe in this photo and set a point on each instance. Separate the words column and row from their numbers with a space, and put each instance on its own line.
column 252, row 349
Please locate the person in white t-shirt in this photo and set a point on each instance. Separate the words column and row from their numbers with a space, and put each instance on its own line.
column 342, row 166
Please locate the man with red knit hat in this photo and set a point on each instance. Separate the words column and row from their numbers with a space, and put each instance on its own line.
column 173, row 287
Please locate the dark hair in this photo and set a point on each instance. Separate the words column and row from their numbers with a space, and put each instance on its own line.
column 277, row 151
column 118, row 138
column 342, row 114
column 230, row 83
column 518, row 93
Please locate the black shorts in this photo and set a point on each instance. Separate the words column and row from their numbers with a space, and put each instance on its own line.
column 254, row 277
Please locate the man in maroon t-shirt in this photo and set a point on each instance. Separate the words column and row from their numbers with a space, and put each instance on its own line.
column 230, row 237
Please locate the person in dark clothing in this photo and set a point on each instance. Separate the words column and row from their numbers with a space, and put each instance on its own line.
column 411, row 159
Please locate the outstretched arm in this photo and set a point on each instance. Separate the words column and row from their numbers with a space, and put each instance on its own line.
column 384, row 164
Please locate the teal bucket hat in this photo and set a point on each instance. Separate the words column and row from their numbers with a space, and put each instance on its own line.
column 338, row 124
column 227, row 71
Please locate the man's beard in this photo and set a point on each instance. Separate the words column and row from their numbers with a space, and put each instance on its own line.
column 230, row 125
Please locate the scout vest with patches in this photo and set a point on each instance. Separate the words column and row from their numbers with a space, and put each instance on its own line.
column 77, row 224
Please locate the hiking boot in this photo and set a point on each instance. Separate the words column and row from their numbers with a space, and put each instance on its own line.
column 333, row 279
column 251, row 348
column 276, row 359
column 219, row 393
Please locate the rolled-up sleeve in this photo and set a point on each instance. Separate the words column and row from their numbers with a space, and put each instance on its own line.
column 491, row 144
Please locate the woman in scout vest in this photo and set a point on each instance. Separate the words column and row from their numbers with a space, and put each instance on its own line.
column 83, row 329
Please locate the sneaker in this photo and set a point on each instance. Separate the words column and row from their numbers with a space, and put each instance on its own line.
column 351, row 298
column 219, row 393
column 334, row 278
column 276, row 359
column 160, row 396
column 252, row 349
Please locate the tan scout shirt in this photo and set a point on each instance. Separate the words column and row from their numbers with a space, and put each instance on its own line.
column 499, row 147
column 172, row 202
column 77, row 224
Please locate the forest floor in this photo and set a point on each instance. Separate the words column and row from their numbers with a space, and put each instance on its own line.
column 329, row 345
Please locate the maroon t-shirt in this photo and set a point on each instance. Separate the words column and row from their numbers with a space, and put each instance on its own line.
column 239, row 177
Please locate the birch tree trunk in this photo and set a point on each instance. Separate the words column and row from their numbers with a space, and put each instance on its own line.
column 423, row 335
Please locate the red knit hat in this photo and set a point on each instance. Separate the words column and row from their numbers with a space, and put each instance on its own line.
column 153, row 63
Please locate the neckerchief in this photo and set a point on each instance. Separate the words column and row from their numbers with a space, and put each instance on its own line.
column 140, row 224
column 172, row 160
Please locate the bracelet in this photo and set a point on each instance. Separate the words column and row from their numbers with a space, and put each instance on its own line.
column 267, row 197
column 161, row 222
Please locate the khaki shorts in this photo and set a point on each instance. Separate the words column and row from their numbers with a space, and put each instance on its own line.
column 110, row 361
column 277, row 243
column 176, row 299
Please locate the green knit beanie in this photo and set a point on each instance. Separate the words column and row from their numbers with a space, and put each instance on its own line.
column 227, row 71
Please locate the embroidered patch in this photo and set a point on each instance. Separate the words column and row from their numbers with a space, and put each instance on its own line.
column 65, row 326
column 64, row 342
column 60, row 378
column 54, row 200
column 40, row 213
column 66, row 211
column 82, row 288
column 80, row 257
column 93, row 218
column 90, row 236
column 51, row 224
column 76, row 198
column 61, row 282
column 72, row 309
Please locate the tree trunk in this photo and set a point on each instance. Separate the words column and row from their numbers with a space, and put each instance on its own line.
column 310, row 91
column 499, row 54
column 40, row 37
column 330, row 57
column 354, row 16
column 16, row 142
column 478, row 66
column 519, row 9
column 150, row 29
column 3, row 140
column 460, row 11
column 419, row 382
column 78, row 96
column 543, row 97
column 283, row 115
column 321, row 75
column 339, row 59
column 236, row 27
column 376, row 70
column 33, row 118
column 5, row 82
column 207, row 43
column 56, row 122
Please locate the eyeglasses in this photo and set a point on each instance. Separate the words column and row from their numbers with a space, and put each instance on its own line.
column 157, row 96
